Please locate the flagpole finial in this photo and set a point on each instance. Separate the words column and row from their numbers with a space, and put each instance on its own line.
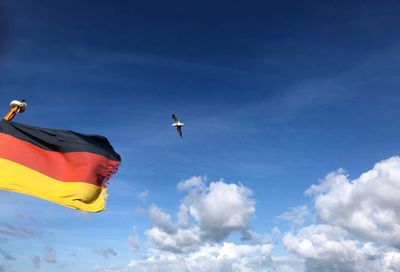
column 15, row 107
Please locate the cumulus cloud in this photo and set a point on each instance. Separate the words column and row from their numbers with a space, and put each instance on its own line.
column 219, row 208
column 182, row 240
column 356, row 228
column 214, row 211
column 207, row 215
column 327, row 243
column 193, row 183
column 359, row 227
column 161, row 219
column 223, row 257
column 391, row 262
column 251, row 236
column 330, row 248
column 287, row 263
column 368, row 206
column 105, row 252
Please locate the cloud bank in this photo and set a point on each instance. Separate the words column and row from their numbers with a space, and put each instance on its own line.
column 355, row 227
column 359, row 222
column 207, row 215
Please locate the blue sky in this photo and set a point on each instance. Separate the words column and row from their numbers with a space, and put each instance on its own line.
column 274, row 96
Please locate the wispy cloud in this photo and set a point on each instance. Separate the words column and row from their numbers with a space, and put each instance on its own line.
column 36, row 262
column 143, row 195
column 6, row 255
column 134, row 243
column 105, row 252
column 49, row 255
column 9, row 229
column 296, row 215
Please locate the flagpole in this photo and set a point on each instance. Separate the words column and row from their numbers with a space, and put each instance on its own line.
column 15, row 107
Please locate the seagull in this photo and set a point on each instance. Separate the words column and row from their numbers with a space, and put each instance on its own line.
column 176, row 123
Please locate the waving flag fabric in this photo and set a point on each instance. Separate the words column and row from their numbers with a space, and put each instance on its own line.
column 61, row 166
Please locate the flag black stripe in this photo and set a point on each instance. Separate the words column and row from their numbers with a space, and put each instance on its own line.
column 60, row 140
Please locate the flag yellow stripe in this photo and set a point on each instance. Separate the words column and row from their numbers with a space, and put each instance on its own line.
column 77, row 195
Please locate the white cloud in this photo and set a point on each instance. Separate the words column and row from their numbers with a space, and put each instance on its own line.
column 210, row 258
column 276, row 232
column 297, row 215
column 219, row 208
column 143, row 195
column 330, row 248
column 161, row 219
column 113, row 268
column 368, row 207
column 325, row 242
column 206, row 217
column 216, row 211
column 182, row 240
column 357, row 228
column 192, row 183
column 360, row 222
column 287, row 263
column 254, row 237
column 391, row 262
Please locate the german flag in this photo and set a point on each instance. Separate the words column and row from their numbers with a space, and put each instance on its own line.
column 65, row 167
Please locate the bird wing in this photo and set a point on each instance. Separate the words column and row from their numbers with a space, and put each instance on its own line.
column 174, row 118
column 179, row 129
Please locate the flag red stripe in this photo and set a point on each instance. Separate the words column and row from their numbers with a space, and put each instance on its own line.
column 68, row 167
column 60, row 140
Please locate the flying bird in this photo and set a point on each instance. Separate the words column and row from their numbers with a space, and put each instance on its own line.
column 178, row 124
